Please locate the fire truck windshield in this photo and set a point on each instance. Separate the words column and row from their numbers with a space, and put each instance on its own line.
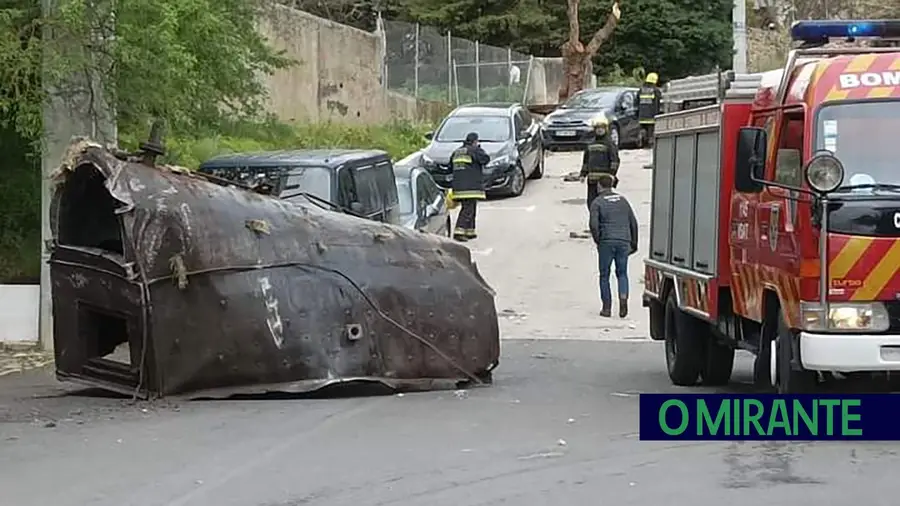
column 863, row 136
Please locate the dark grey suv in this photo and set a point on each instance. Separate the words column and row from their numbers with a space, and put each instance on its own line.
column 508, row 133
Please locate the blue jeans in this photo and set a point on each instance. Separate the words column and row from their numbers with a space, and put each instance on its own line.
column 609, row 253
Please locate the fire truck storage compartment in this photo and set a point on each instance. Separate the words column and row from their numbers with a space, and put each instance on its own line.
column 685, row 215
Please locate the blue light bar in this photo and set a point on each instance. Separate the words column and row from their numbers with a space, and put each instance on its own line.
column 822, row 31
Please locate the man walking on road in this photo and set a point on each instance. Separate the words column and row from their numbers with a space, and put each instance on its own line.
column 468, row 163
column 615, row 231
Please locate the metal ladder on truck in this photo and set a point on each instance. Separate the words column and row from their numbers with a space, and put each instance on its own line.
column 700, row 91
column 710, row 89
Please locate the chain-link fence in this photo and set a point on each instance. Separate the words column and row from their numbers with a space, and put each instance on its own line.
column 422, row 62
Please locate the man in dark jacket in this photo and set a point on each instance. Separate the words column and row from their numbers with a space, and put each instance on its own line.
column 468, row 163
column 600, row 157
column 648, row 103
column 615, row 231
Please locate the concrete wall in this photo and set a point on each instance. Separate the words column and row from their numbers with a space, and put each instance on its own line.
column 338, row 74
column 19, row 313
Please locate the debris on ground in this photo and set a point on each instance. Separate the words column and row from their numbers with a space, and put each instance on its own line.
column 16, row 359
column 572, row 177
column 579, row 235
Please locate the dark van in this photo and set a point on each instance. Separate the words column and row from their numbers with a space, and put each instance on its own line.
column 359, row 181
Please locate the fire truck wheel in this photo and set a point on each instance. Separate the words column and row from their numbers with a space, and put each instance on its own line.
column 685, row 351
column 718, row 364
column 790, row 379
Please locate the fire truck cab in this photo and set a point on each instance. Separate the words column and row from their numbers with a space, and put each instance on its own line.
column 775, row 224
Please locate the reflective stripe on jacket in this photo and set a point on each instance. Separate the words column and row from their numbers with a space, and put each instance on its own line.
column 468, row 163
column 601, row 157
column 649, row 98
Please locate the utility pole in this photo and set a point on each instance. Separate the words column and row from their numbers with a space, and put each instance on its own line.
column 739, row 35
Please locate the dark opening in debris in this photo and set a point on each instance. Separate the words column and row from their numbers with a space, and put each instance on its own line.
column 87, row 212
column 104, row 334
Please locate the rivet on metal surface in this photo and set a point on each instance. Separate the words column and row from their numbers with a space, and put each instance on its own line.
column 354, row 331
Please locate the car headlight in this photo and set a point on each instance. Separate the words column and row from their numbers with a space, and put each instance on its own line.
column 500, row 161
column 845, row 317
column 427, row 160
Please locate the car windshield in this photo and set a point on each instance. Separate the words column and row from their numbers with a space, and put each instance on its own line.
column 315, row 181
column 488, row 128
column 862, row 136
column 404, row 191
column 591, row 100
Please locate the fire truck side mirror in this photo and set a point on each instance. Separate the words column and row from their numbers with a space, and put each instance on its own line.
column 750, row 160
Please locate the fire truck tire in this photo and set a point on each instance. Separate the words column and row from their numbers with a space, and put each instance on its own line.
column 719, row 363
column 790, row 379
column 685, row 345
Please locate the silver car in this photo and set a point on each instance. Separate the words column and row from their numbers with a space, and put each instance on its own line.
column 423, row 204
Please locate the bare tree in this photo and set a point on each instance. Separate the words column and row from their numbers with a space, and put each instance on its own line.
column 577, row 56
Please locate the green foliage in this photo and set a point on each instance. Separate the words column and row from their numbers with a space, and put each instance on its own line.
column 194, row 62
column 674, row 38
column 397, row 138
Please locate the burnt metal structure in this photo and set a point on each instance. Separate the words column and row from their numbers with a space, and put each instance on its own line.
column 217, row 289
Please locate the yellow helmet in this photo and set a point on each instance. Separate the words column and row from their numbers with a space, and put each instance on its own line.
column 600, row 123
column 652, row 78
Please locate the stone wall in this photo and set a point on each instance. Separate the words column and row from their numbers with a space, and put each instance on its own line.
column 337, row 76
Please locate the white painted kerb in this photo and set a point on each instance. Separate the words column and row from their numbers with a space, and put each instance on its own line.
column 19, row 313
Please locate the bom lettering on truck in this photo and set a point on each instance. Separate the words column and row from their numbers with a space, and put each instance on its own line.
column 870, row 79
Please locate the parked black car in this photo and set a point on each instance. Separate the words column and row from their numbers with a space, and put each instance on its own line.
column 508, row 133
column 360, row 182
column 423, row 204
column 569, row 126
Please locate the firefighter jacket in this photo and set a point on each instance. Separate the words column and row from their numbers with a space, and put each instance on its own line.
column 612, row 220
column 468, row 165
column 601, row 157
column 649, row 98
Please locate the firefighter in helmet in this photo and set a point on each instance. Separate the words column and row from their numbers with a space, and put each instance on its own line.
column 468, row 163
column 600, row 157
column 649, row 98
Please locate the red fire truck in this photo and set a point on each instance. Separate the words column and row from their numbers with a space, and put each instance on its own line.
column 775, row 223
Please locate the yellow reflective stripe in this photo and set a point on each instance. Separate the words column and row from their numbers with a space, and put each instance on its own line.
column 468, row 194
column 462, row 159
column 646, row 96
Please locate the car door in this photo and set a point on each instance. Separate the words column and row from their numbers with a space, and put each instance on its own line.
column 522, row 143
column 346, row 188
column 626, row 112
column 387, row 191
column 368, row 196
column 534, row 136
column 430, row 197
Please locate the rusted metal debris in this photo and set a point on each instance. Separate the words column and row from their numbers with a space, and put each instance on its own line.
column 166, row 283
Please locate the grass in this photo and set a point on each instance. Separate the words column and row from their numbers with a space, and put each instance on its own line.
column 20, row 218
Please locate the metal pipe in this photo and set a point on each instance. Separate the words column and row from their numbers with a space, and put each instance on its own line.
column 449, row 67
column 823, row 257
column 477, row 72
column 527, row 80
column 416, row 70
column 456, row 80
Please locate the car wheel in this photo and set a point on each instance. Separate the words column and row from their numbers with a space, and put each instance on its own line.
column 539, row 168
column 614, row 135
column 516, row 182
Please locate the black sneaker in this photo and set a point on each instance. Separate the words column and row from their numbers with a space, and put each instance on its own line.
column 605, row 312
column 623, row 308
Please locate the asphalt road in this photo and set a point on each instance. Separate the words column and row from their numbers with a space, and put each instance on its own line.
column 559, row 426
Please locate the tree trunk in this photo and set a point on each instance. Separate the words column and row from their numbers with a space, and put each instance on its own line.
column 575, row 55
column 575, row 60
